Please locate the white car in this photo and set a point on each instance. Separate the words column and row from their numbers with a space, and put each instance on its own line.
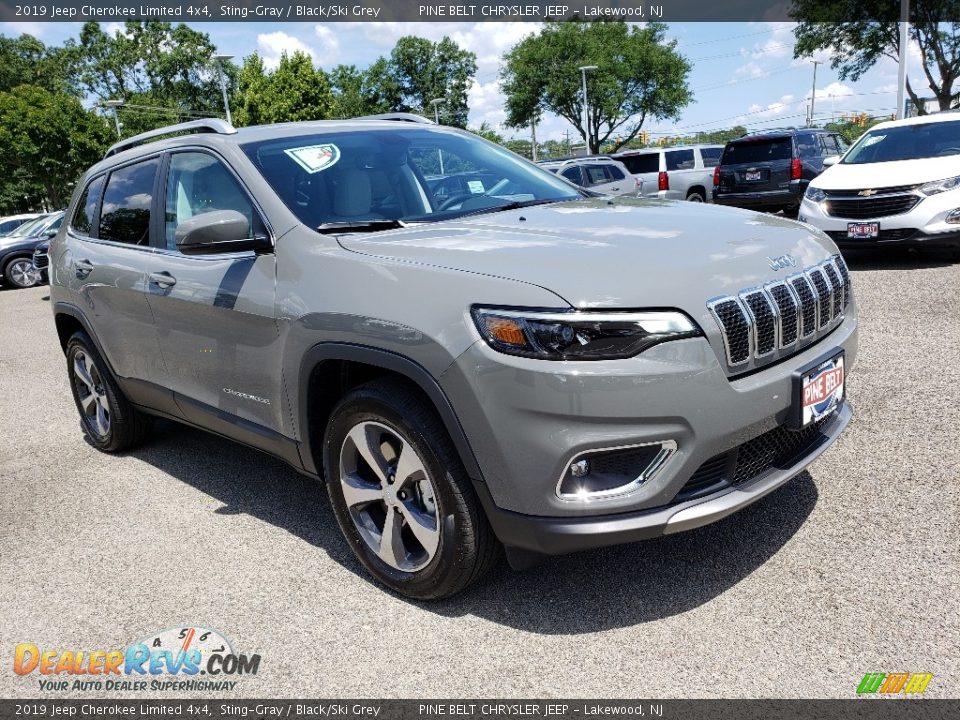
column 898, row 184
column 681, row 172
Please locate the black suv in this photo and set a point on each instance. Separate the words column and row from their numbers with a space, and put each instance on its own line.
column 771, row 171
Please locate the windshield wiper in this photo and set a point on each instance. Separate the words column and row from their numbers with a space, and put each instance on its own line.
column 515, row 205
column 348, row 226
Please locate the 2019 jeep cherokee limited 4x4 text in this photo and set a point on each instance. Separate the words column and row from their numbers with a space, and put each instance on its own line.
column 518, row 364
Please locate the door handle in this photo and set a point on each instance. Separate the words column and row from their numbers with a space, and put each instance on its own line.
column 163, row 279
column 83, row 268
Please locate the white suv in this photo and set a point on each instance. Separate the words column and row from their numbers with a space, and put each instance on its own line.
column 899, row 183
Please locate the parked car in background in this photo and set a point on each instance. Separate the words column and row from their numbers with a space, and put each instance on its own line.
column 41, row 261
column 898, row 184
column 16, row 250
column 770, row 171
column 597, row 173
column 675, row 173
column 11, row 222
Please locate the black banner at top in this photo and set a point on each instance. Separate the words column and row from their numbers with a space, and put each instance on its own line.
column 438, row 11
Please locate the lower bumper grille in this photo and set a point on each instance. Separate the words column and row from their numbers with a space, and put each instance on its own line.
column 775, row 449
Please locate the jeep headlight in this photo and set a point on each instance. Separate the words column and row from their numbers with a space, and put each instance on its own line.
column 932, row 188
column 815, row 194
column 573, row 335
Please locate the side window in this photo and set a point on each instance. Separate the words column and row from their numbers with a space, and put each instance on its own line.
column 711, row 156
column 829, row 145
column 125, row 216
column 680, row 160
column 807, row 146
column 615, row 173
column 646, row 163
column 83, row 219
column 595, row 174
column 198, row 183
column 573, row 175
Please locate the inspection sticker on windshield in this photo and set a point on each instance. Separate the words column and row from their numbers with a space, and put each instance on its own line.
column 475, row 186
column 314, row 158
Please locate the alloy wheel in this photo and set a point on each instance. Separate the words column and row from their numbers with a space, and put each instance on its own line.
column 22, row 274
column 92, row 393
column 390, row 496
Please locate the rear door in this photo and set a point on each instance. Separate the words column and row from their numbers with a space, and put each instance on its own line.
column 215, row 314
column 646, row 166
column 604, row 178
column 760, row 164
column 107, row 253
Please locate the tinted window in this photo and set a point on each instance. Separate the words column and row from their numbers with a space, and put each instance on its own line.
column 8, row 225
column 680, row 160
column 758, row 151
column 808, row 146
column 572, row 174
column 829, row 145
column 125, row 216
column 198, row 183
column 84, row 219
column 711, row 156
column 614, row 172
column 595, row 174
column 906, row 142
column 646, row 163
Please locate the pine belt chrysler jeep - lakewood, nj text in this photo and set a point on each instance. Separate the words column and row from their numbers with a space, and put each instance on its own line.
column 523, row 364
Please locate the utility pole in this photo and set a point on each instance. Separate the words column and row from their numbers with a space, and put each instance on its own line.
column 220, row 60
column 902, row 72
column 533, row 136
column 566, row 137
column 813, row 94
column 437, row 102
column 586, row 105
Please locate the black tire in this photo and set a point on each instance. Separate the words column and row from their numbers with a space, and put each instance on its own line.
column 696, row 196
column 14, row 277
column 467, row 546
column 127, row 427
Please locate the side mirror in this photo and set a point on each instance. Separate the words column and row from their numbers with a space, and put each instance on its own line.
column 220, row 231
column 831, row 160
column 49, row 233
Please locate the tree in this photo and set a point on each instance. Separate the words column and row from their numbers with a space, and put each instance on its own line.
column 858, row 33
column 49, row 139
column 487, row 133
column 419, row 71
column 361, row 92
column 295, row 91
column 27, row 61
column 638, row 76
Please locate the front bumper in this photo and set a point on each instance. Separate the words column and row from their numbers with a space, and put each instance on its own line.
column 559, row 535
column 924, row 225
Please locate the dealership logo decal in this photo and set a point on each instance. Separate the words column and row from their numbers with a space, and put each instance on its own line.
column 894, row 683
column 782, row 262
column 170, row 660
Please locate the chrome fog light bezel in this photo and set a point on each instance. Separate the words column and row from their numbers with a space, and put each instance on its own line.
column 653, row 468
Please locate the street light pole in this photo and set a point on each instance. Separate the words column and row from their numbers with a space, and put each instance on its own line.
column 437, row 102
column 113, row 105
column 220, row 60
column 813, row 93
column 902, row 72
column 586, row 104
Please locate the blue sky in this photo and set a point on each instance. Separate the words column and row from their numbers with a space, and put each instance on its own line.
column 743, row 73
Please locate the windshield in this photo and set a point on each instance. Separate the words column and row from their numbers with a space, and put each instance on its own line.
column 371, row 177
column 29, row 227
column 906, row 142
column 757, row 151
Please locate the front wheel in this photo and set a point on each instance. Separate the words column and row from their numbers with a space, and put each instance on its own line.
column 401, row 495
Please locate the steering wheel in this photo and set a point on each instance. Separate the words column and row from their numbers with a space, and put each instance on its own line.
column 454, row 199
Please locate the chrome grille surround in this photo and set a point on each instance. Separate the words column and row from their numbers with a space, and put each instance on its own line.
column 762, row 324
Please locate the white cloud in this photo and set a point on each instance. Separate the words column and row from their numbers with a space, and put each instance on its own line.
column 775, row 109
column 833, row 90
column 30, row 28
column 329, row 41
column 751, row 70
column 272, row 45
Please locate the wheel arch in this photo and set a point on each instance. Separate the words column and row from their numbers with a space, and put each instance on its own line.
column 327, row 370
column 699, row 190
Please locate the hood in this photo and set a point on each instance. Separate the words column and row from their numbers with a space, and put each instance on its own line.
column 887, row 174
column 600, row 254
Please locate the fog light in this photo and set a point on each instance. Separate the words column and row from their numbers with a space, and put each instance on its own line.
column 580, row 468
column 953, row 217
column 613, row 471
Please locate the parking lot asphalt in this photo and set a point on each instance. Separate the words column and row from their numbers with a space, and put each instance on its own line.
column 850, row 568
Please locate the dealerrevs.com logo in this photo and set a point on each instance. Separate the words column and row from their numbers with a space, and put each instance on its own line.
column 186, row 659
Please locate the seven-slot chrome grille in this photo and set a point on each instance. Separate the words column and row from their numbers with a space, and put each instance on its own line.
column 761, row 324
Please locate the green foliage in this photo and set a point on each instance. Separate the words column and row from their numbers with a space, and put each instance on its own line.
column 361, row 92
column 48, row 140
column 487, row 133
column 27, row 61
column 638, row 76
column 858, row 33
column 850, row 131
column 419, row 71
column 293, row 92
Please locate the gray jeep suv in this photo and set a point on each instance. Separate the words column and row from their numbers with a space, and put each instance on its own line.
column 518, row 365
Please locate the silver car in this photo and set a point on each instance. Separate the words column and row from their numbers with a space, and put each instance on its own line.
column 517, row 366
column 598, row 174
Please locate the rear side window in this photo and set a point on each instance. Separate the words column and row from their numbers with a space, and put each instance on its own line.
column 614, row 172
column 595, row 174
column 84, row 219
column 573, row 175
column 808, row 146
column 680, row 160
column 711, row 156
column 758, row 151
column 646, row 163
column 125, row 216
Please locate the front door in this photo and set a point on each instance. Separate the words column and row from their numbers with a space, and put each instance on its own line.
column 214, row 314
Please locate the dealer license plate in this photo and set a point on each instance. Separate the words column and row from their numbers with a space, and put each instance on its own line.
column 863, row 231
column 752, row 176
column 820, row 390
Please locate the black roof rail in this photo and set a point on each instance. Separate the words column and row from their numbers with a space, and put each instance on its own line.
column 399, row 116
column 207, row 125
column 773, row 131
